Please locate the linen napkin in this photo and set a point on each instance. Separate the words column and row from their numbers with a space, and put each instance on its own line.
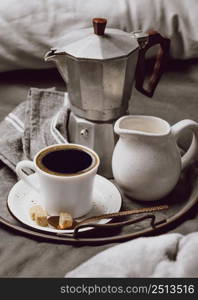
column 38, row 122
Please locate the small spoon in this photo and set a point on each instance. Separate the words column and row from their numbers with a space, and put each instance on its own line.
column 54, row 220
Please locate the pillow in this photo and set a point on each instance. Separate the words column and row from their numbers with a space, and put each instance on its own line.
column 30, row 28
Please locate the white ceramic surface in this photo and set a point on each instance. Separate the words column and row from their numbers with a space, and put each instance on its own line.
column 71, row 193
column 106, row 199
column 146, row 161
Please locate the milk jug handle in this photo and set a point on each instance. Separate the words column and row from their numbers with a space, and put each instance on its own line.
column 192, row 153
column 154, row 38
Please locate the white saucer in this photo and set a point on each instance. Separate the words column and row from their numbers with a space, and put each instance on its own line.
column 106, row 199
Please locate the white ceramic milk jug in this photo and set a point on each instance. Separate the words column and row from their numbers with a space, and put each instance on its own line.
column 146, row 161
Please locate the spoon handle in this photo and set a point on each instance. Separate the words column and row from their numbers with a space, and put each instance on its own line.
column 125, row 213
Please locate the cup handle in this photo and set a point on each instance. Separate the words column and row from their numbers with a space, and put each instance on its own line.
column 192, row 153
column 19, row 170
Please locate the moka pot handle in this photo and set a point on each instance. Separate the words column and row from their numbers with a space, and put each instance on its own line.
column 154, row 38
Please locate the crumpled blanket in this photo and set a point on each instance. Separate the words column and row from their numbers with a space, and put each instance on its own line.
column 170, row 255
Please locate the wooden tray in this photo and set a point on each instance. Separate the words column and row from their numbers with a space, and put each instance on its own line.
column 181, row 201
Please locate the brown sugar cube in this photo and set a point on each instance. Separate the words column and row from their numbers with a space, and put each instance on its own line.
column 39, row 215
column 65, row 220
column 35, row 210
column 41, row 219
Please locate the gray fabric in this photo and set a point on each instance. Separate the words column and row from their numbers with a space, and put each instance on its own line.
column 27, row 129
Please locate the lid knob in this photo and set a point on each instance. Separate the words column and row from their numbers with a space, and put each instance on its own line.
column 99, row 25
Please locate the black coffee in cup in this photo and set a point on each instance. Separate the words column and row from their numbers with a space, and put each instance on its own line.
column 65, row 160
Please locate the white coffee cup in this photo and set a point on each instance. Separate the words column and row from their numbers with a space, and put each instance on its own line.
column 66, row 175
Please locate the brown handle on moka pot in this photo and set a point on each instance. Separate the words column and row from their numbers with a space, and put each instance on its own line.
column 154, row 38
